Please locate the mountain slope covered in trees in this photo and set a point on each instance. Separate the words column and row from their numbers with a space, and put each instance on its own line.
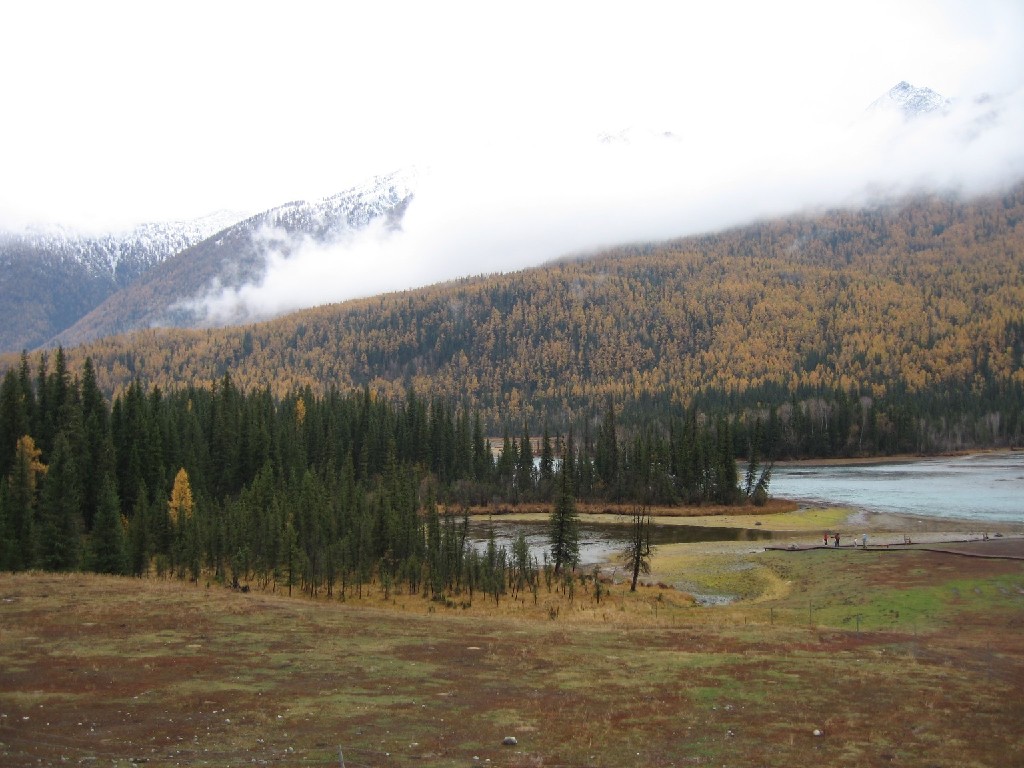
column 890, row 328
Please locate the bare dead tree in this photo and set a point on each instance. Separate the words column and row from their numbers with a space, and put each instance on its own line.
column 637, row 553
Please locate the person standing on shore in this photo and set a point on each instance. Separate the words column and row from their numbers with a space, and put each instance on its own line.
column 864, row 541
column 825, row 538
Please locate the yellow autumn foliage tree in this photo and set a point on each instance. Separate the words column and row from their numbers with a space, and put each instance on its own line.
column 27, row 460
column 180, row 506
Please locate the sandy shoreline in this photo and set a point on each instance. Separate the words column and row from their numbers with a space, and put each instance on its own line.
column 900, row 458
column 787, row 517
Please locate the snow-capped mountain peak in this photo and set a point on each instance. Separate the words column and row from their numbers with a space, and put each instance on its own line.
column 217, row 281
column 910, row 101
column 386, row 195
column 123, row 255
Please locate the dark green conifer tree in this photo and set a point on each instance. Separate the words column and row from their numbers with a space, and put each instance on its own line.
column 564, row 524
column 129, row 430
column 43, row 414
column 462, row 466
column 60, row 510
column 506, row 465
column 21, row 507
column 107, row 550
column 483, row 460
column 25, row 382
column 435, row 554
column 606, row 459
column 726, row 477
column 14, row 419
column 140, row 536
column 546, row 476
column 225, row 438
column 524, row 477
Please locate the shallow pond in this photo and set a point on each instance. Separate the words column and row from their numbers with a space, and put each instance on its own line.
column 601, row 543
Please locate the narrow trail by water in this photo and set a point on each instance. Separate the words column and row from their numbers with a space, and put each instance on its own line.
column 1001, row 548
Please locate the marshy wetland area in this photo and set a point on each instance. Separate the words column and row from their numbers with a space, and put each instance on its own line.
column 898, row 654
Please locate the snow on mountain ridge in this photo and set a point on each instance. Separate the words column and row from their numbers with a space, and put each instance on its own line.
column 220, row 279
column 351, row 209
column 119, row 255
column 910, row 100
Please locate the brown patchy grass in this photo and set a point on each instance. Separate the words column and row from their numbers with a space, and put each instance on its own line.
column 105, row 671
column 602, row 510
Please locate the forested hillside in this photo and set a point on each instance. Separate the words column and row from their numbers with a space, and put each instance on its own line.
column 863, row 331
column 319, row 450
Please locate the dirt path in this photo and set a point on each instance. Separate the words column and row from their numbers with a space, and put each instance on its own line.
column 1005, row 547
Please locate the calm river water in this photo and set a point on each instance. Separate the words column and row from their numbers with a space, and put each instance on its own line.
column 983, row 487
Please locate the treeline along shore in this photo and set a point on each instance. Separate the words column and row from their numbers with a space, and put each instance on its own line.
column 322, row 492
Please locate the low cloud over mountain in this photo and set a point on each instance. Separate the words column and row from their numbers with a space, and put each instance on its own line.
column 479, row 212
column 486, row 206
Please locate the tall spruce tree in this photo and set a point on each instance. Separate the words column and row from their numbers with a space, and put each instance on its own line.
column 60, row 510
column 140, row 535
column 564, row 524
column 506, row 465
column 546, row 475
column 606, row 459
column 524, row 468
column 107, row 550
column 14, row 419
column 21, row 507
column 95, row 445
column 726, row 476
column 483, row 460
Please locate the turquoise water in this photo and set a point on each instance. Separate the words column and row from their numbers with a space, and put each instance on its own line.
column 978, row 487
column 984, row 487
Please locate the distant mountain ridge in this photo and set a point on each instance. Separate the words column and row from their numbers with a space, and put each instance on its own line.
column 119, row 253
column 49, row 277
column 172, row 294
column 58, row 286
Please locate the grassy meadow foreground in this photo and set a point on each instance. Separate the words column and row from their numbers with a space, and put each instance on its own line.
column 910, row 658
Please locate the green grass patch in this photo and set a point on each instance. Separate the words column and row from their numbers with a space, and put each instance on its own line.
column 883, row 591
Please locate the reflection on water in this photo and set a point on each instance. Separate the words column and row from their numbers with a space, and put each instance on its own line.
column 601, row 543
column 981, row 487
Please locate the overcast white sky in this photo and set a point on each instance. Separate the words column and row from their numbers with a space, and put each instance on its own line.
column 121, row 111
